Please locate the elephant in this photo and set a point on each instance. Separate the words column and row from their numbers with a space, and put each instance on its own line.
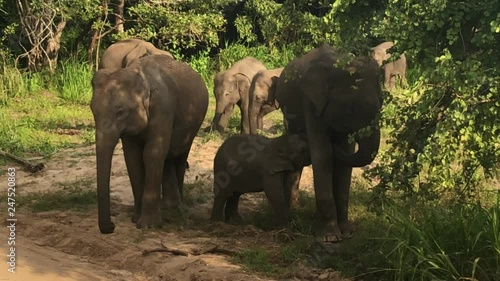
column 254, row 163
column 156, row 107
column 231, row 88
column 261, row 97
column 121, row 54
column 391, row 69
column 325, row 98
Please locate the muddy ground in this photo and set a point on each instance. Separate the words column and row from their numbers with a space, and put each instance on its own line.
column 67, row 245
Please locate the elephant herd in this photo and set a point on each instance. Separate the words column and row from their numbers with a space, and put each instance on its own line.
column 156, row 105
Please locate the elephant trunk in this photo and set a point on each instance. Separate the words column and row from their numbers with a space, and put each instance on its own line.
column 367, row 151
column 216, row 122
column 105, row 145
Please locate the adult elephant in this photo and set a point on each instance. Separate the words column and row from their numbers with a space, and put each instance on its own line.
column 123, row 53
column 261, row 97
column 326, row 102
column 231, row 88
column 156, row 107
column 391, row 69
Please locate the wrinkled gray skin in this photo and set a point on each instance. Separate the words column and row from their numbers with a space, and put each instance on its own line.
column 390, row 69
column 121, row 54
column 156, row 107
column 261, row 97
column 254, row 163
column 231, row 88
column 326, row 103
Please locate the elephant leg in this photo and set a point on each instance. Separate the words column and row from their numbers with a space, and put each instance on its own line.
column 387, row 78
column 231, row 211
column 132, row 150
column 154, row 155
column 341, row 191
column 220, row 200
column 260, row 122
column 180, row 170
column 322, row 154
column 245, row 122
column 275, row 193
column 292, row 182
column 392, row 82
column 224, row 119
column 170, row 188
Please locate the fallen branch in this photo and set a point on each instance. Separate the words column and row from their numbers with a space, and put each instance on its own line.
column 175, row 252
column 178, row 252
column 30, row 167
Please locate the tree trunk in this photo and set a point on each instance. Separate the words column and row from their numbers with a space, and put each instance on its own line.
column 119, row 20
column 53, row 46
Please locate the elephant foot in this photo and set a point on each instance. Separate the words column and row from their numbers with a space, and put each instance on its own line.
column 107, row 228
column 346, row 228
column 149, row 219
column 235, row 218
column 328, row 231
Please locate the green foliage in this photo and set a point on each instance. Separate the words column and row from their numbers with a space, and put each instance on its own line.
column 178, row 25
column 257, row 260
column 446, row 131
column 436, row 243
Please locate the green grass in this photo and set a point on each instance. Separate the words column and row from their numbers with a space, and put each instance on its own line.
column 72, row 81
column 77, row 195
column 257, row 260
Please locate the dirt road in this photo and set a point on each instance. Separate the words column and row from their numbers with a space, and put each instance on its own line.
column 67, row 245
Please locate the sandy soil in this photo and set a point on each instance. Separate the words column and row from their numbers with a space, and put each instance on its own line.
column 67, row 245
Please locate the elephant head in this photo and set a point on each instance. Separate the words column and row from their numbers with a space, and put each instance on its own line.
column 141, row 50
column 120, row 105
column 229, row 89
column 347, row 98
column 291, row 152
column 380, row 54
column 261, row 96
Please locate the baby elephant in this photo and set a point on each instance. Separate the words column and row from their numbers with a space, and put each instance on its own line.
column 254, row 163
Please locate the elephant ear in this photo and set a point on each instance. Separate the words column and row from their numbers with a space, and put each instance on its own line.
column 243, row 83
column 150, row 75
column 281, row 161
column 314, row 85
column 138, row 52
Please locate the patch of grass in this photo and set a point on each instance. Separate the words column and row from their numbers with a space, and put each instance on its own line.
column 77, row 195
column 445, row 242
column 257, row 260
column 72, row 81
column 197, row 193
column 41, row 124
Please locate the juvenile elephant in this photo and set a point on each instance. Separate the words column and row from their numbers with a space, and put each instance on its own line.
column 391, row 69
column 231, row 88
column 261, row 97
column 326, row 100
column 156, row 107
column 254, row 163
column 123, row 53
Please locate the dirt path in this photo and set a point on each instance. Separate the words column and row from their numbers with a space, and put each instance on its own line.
column 67, row 245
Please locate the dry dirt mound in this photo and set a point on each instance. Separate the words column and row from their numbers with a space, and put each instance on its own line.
column 65, row 245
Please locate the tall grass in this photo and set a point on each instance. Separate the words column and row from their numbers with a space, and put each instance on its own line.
column 15, row 83
column 445, row 243
column 72, row 81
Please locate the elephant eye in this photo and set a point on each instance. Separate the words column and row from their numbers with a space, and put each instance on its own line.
column 121, row 114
